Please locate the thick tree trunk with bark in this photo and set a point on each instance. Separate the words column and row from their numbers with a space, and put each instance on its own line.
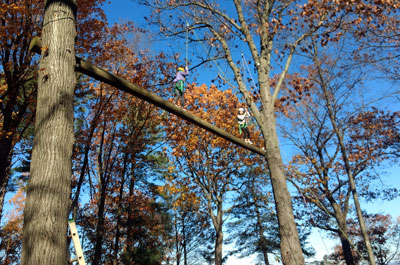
column 47, row 205
column 344, row 237
column 290, row 244
column 346, row 246
column 218, row 246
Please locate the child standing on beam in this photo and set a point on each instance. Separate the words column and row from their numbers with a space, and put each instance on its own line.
column 242, row 118
column 179, row 85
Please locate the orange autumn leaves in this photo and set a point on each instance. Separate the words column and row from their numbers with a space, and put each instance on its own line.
column 218, row 107
column 201, row 156
column 183, row 192
column 204, row 103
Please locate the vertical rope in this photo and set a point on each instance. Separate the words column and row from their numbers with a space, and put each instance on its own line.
column 208, row 54
column 187, row 42
column 248, row 69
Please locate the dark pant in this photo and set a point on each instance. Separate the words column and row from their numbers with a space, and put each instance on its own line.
column 246, row 132
column 179, row 94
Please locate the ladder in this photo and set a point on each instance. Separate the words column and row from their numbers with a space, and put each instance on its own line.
column 77, row 245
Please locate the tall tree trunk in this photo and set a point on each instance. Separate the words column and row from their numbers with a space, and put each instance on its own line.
column 177, row 242
column 218, row 246
column 119, row 210
column 85, row 163
column 131, row 198
column 219, row 236
column 47, row 204
column 344, row 239
column 346, row 247
column 289, row 238
column 184, row 239
column 74, row 205
column 346, row 161
column 103, row 178
column 117, row 233
column 99, row 228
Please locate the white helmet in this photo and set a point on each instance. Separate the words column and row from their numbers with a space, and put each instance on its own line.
column 241, row 109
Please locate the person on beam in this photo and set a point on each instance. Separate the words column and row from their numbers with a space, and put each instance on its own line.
column 179, row 85
column 243, row 118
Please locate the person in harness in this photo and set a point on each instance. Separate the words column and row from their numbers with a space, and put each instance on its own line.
column 242, row 118
column 179, row 84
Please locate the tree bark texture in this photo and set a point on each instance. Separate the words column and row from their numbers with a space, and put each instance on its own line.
column 130, row 221
column 184, row 240
column 344, row 240
column 99, row 229
column 219, row 236
column 340, row 214
column 290, row 244
column 218, row 246
column 103, row 163
column 177, row 243
column 119, row 210
column 47, row 203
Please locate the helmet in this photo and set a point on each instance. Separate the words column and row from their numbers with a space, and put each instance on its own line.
column 181, row 69
column 241, row 109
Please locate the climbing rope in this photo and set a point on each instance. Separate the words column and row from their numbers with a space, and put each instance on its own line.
column 219, row 68
column 244, row 62
column 187, row 42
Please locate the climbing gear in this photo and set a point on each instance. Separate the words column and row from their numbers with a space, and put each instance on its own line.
column 241, row 126
column 179, row 85
column 77, row 245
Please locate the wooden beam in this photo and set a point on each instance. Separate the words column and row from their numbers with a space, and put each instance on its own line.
column 124, row 85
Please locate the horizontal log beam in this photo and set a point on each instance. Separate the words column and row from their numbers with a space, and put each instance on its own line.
column 128, row 87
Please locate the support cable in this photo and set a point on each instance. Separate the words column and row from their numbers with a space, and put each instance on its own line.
column 187, row 42
column 205, row 49
column 248, row 69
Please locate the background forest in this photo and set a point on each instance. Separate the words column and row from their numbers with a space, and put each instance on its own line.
column 320, row 79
